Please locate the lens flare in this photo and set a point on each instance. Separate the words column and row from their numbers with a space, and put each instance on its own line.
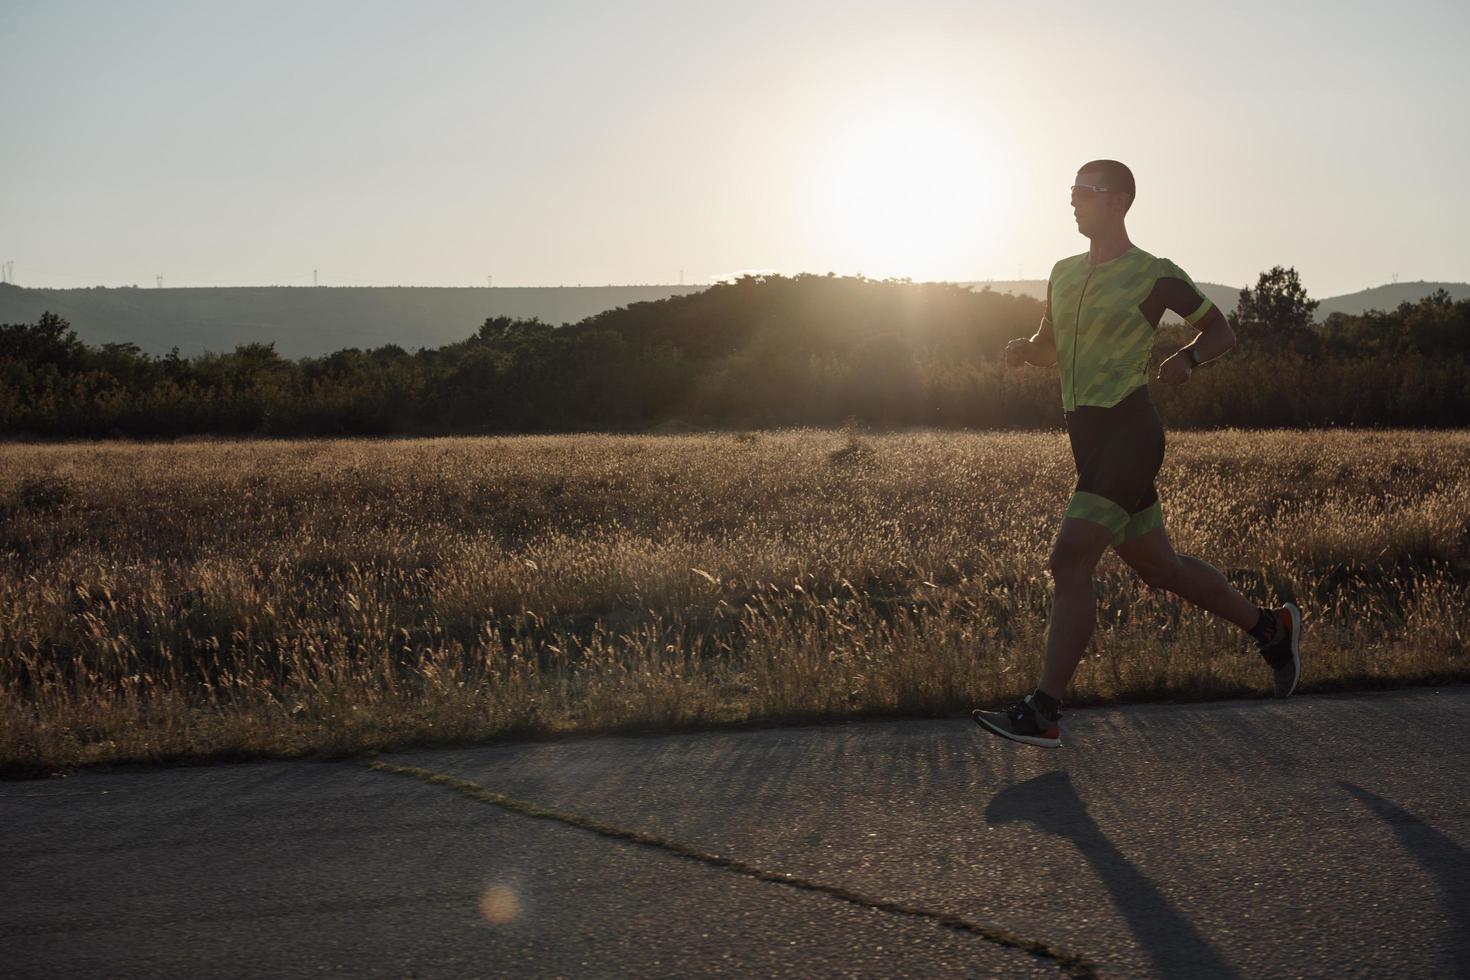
column 499, row 905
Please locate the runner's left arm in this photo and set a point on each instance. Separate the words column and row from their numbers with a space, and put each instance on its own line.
column 1215, row 335
column 1174, row 290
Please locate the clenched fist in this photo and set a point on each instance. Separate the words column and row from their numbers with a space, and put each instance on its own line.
column 1176, row 369
column 1017, row 351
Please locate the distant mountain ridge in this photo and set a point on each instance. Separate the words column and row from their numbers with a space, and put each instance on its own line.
column 1389, row 297
column 308, row 321
column 304, row 321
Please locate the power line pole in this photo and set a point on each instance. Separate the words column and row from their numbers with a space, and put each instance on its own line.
column 313, row 277
column 489, row 282
column 159, row 279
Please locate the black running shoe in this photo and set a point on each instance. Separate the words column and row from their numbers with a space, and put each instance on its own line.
column 1021, row 722
column 1283, row 654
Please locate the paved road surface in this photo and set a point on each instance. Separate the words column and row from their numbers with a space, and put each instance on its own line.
column 1320, row 837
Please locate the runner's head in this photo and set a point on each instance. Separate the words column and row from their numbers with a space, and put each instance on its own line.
column 1101, row 196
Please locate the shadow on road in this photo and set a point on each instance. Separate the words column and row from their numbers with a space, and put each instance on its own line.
column 1437, row 854
column 1170, row 940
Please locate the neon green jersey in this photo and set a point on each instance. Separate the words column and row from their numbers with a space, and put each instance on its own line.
column 1103, row 317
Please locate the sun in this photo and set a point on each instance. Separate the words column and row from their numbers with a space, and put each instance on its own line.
column 912, row 190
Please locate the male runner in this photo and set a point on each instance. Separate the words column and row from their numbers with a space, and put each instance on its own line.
column 1101, row 311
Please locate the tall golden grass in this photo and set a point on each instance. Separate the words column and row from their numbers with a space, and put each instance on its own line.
column 230, row 599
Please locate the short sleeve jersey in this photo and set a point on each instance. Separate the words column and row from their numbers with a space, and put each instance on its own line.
column 1104, row 316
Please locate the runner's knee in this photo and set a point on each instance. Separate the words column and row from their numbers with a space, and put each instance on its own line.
column 1164, row 576
column 1069, row 563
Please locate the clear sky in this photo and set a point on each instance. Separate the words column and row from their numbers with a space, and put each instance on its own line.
column 549, row 143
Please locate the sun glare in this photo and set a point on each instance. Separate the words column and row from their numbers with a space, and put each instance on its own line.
column 912, row 190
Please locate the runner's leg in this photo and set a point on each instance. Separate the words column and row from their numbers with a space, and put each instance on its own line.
column 1152, row 555
column 1079, row 545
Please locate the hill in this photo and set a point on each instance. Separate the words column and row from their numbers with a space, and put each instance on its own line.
column 1387, row 298
column 761, row 352
column 304, row 321
column 307, row 321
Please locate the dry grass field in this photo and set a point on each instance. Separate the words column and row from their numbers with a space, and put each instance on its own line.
column 234, row 599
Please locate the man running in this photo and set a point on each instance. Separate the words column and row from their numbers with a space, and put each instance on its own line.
column 1101, row 311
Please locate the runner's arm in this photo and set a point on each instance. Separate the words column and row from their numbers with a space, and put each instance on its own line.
column 1043, row 352
column 1039, row 349
column 1174, row 290
column 1043, row 344
column 1215, row 335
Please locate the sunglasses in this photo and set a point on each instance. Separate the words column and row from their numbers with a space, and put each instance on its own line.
column 1093, row 188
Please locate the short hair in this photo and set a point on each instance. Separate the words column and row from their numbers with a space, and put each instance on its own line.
column 1115, row 176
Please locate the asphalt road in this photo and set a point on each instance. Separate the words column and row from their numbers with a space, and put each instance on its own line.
column 1319, row 837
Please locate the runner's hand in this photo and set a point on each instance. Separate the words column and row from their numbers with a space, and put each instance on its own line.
column 1017, row 351
column 1176, row 369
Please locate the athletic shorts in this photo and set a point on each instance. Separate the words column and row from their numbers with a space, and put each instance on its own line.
column 1118, row 452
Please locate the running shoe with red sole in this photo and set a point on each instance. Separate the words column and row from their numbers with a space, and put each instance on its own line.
column 1021, row 722
column 1283, row 654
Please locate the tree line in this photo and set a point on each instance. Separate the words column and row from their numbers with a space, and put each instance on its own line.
column 757, row 352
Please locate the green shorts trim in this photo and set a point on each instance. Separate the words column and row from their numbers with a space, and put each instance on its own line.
column 1125, row 526
column 1141, row 523
column 1098, row 510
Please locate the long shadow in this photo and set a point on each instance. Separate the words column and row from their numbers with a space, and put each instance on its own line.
column 1441, row 857
column 1170, row 940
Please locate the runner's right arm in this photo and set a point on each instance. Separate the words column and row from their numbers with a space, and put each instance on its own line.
column 1040, row 349
column 1043, row 351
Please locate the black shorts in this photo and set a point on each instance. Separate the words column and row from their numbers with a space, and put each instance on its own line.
column 1118, row 452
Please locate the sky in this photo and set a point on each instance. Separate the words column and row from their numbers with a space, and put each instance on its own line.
column 556, row 143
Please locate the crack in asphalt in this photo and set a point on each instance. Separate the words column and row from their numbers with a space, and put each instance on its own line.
column 1070, row 963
